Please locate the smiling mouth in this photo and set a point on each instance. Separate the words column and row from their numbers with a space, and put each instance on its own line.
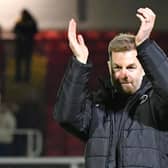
column 126, row 83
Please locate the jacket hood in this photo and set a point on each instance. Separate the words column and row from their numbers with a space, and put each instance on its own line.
column 108, row 95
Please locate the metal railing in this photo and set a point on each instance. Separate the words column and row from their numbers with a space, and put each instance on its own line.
column 56, row 162
column 34, row 148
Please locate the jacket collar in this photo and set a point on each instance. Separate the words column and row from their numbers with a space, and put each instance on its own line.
column 109, row 96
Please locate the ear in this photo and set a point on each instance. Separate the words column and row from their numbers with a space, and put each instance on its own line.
column 142, row 70
column 109, row 66
column 110, row 71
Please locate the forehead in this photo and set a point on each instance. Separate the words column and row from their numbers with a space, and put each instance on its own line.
column 125, row 57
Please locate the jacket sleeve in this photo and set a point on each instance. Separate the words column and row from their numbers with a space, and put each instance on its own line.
column 73, row 107
column 155, row 64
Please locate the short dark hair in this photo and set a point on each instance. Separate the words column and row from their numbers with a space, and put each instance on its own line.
column 122, row 42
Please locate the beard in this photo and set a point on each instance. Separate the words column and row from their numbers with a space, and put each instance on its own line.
column 125, row 87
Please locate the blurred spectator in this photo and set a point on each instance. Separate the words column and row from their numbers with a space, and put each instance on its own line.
column 7, row 128
column 24, row 29
column 2, row 67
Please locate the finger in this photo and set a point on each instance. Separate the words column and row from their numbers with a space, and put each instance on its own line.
column 142, row 19
column 143, row 12
column 81, row 39
column 72, row 31
column 150, row 11
column 147, row 13
column 151, row 14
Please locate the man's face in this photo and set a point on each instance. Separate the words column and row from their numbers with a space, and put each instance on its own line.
column 127, row 72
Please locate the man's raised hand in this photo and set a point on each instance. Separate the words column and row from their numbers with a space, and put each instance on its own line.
column 147, row 18
column 76, row 43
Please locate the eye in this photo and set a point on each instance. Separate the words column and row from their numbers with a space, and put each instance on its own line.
column 116, row 68
column 131, row 68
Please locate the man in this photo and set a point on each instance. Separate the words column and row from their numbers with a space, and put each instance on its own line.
column 126, row 127
column 24, row 30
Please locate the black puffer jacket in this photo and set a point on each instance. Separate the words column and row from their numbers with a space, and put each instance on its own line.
column 119, row 132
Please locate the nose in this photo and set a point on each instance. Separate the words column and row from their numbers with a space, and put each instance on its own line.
column 123, row 74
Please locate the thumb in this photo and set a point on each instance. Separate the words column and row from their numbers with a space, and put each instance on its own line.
column 81, row 39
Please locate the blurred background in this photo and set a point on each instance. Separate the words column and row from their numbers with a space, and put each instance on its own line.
column 34, row 54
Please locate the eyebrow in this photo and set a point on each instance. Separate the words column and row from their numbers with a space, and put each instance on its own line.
column 130, row 65
column 133, row 64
